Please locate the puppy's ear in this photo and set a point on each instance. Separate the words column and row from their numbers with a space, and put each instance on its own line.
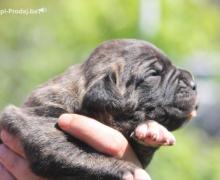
column 104, row 95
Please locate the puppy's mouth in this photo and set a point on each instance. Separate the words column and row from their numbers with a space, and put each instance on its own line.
column 186, row 101
column 187, row 107
column 192, row 114
column 177, row 113
column 180, row 113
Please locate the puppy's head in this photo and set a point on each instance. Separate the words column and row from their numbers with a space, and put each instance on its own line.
column 130, row 81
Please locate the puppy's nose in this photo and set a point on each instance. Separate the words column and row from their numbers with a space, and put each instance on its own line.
column 193, row 85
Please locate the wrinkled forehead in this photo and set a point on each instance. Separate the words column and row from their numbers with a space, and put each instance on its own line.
column 131, row 47
column 145, row 54
column 129, row 52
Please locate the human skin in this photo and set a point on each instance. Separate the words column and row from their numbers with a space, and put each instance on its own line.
column 13, row 163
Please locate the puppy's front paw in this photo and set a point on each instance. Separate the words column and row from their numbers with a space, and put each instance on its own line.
column 138, row 174
column 153, row 134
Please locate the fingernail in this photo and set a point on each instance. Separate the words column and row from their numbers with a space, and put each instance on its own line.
column 64, row 120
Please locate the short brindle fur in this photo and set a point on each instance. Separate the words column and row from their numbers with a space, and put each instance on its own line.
column 122, row 84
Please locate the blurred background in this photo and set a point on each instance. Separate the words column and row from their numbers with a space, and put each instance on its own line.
column 43, row 42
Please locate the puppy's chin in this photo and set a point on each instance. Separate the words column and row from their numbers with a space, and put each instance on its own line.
column 186, row 105
column 182, row 112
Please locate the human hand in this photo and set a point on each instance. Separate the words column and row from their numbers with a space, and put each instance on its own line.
column 13, row 163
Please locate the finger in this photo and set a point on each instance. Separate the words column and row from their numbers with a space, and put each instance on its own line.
column 94, row 133
column 16, row 165
column 4, row 174
column 99, row 136
column 12, row 142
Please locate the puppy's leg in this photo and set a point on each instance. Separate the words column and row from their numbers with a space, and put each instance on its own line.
column 153, row 134
column 147, row 138
column 55, row 155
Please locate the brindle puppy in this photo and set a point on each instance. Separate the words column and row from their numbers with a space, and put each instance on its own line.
column 123, row 84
